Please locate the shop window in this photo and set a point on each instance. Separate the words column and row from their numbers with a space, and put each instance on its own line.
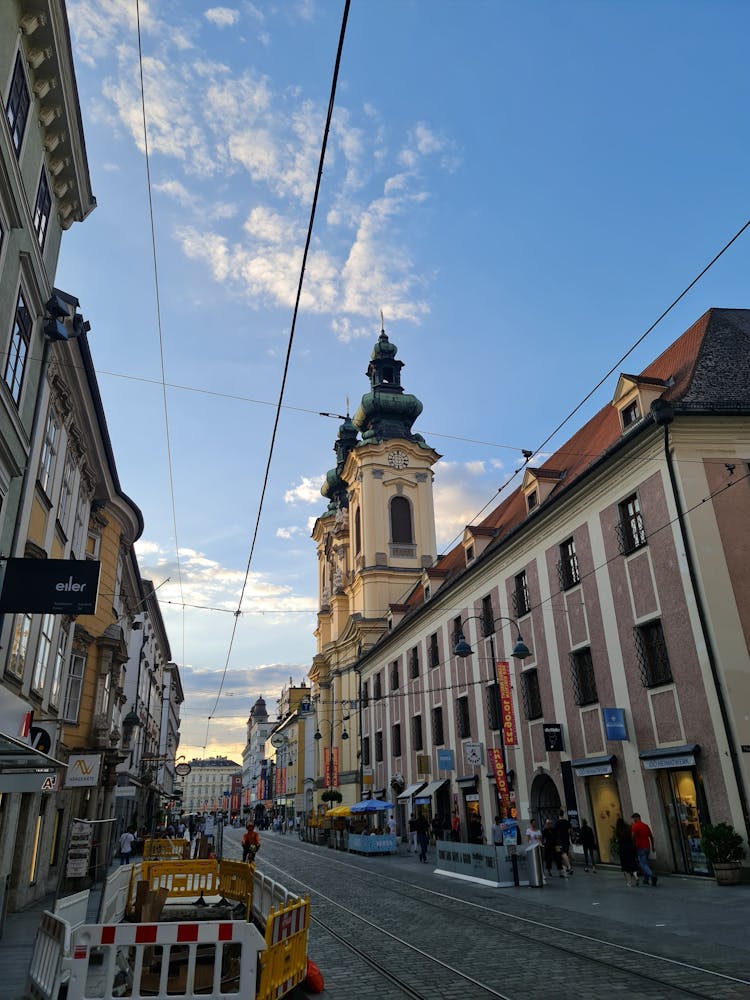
column 366, row 751
column 488, row 616
column 584, row 679
column 530, row 694
column 463, row 721
column 437, row 726
column 17, row 108
column 396, row 739
column 434, row 650
column 631, row 534
column 414, row 662
column 394, row 676
column 653, row 657
column 521, row 594
column 567, row 567
column 493, row 706
column 402, row 532
column 378, row 747
column 416, row 732
column 15, row 362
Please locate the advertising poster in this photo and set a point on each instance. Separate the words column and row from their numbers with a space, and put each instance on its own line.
column 79, row 849
column 501, row 781
column 507, row 715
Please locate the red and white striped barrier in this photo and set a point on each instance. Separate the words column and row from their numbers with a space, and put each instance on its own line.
column 285, row 924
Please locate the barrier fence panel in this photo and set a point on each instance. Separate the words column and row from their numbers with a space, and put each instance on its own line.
column 50, row 958
column 193, row 959
column 181, row 878
column 283, row 964
column 268, row 894
column 155, row 849
column 74, row 908
column 236, row 883
column 114, row 899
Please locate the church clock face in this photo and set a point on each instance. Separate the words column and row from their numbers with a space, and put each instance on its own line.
column 398, row 459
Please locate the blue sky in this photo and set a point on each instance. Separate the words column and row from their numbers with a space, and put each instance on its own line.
column 521, row 188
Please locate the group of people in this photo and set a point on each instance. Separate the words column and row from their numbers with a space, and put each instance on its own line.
column 635, row 841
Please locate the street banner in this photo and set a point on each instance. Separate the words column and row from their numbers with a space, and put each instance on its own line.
column 83, row 770
column 507, row 715
column 331, row 767
column 498, row 766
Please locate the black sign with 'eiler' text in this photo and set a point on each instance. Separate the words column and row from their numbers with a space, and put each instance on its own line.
column 50, row 586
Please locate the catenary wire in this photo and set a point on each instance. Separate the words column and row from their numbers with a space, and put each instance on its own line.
column 308, row 240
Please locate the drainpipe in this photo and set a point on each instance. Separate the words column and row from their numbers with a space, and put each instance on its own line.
column 664, row 415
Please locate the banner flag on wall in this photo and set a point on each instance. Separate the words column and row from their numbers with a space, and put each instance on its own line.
column 501, row 779
column 507, row 715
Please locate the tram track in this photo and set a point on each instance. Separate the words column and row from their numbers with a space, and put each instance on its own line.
column 649, row 974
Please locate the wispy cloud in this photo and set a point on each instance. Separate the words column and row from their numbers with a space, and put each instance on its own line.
column 306, row 491
column 222, row 17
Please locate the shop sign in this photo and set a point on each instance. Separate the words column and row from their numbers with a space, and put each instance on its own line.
column 473, row 753
column 615, row 726
column 553, row 737
column 125, row 792
column 592, row 769
column 474, row 797
column 51, row 586
column 424, row 800
column 657, row 763
column 446, row 760
column 507, row 715
column 83, row 770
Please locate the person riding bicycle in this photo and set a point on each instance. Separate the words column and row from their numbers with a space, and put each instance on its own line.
column 250, row 842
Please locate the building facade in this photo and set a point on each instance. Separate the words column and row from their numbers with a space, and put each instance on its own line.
column 585, row 647
column 209, row 784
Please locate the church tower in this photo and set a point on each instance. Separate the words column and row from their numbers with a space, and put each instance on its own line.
column 374, row 541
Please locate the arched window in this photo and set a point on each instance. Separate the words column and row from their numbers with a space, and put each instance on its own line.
column 357, row 533
column 401, row 526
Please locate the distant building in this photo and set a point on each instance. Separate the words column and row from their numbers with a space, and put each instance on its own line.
column 259, row 728
column 208, row 784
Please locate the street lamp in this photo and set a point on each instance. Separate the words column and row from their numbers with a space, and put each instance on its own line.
column 318, row 736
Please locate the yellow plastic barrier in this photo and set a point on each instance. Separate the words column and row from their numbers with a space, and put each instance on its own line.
column 283, row 965
column 181, row 878
column 155, row 849
column 236, row 883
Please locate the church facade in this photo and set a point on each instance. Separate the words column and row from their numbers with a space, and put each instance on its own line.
column 584, row 647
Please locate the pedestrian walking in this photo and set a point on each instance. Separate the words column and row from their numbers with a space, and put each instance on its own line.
column 497, row 832
column 588, row 843
column 551, row 849
column 423, row 836
column 391, row 825
column 533, row 834
column 126, row 846
column 562, row 831
column 626, row 850
column 643, row 839
column 413, row 834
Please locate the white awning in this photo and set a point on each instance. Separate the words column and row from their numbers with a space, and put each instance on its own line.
column 408, row 792
column 433, row 786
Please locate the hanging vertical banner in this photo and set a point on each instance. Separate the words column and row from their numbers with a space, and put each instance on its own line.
column 498, row 765
column 510, row 736
column 331, row 767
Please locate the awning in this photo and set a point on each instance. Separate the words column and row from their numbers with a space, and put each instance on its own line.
column 429, row 791
column 663, row 757
column 24, row 769
column 467, row 781
column 408, row 792
column 586, row 766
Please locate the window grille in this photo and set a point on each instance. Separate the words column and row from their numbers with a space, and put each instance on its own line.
column 493, row 706
column 396, row 738
column 584, row 679
column 414, row 662
column 378, row 747
column 652, row 653
column 521, row 604
column 567, row 568
column 377, row 688
column 631, row 534
column 434, row 650
column 488, row 617
column 530, row 694
column 366, row 751
column 463, row 722
column 365, row 694
column 437, row 726
column 416, row 729
column 394, row 675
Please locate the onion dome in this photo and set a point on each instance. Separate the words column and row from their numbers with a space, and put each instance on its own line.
column 335, row 488
column 386, row 411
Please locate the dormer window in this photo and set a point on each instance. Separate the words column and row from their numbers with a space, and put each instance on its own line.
column 634, row 395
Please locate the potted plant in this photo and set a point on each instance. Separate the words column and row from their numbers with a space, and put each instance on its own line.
column 722, row 845
column 332, row 795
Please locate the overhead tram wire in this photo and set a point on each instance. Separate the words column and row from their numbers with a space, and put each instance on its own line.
column 158, row 314
column 308, row 240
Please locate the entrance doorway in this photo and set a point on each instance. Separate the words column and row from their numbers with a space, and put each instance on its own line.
column 681, row 793
column 605, row 811
column 544, row 801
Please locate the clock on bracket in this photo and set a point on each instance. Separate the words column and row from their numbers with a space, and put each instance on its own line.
column 398, row 459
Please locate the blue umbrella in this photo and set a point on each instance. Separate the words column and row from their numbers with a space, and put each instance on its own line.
column 370, row 806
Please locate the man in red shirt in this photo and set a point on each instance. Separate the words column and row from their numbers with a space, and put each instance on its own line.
column 643, row 840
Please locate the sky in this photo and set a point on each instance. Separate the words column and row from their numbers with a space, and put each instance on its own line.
column 522, row 189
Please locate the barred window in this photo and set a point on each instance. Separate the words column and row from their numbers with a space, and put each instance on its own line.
column 488, row 616
column 378, row 747
column 416, row 732
column 365, row 694
column 631, row 534
column 653, row 657
column 584, row 679
column 396, row 739
column 394, row 675
column 493, row 706
column 521, row 594
column 457, row 631
column 366, row 751
column 377, row 687
column 463, row 722
column 567, row 567
column 434, row 650
column 530, row 694
column 437, row 727
column 414, row 662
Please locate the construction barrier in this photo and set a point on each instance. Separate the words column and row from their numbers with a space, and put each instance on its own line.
column 193, row 959
column 116, row 892
column 154, row 849
column 183, row 879
column 267, row 895
column 50, row 959
column 283, row 965
column 73, row 909
column 236, row 880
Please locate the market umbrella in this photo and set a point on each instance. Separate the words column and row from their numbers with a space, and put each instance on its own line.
column 339, row 811
column 371, row 806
